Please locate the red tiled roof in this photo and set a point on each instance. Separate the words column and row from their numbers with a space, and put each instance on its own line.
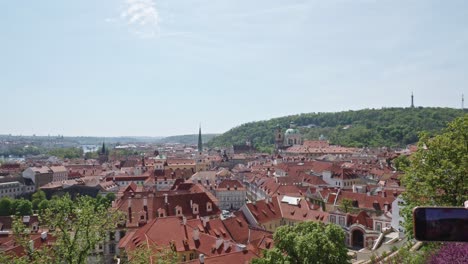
column 301, row 212
column 238, row 227
column 365, row 201
column 230, row 183
column 156, row 205
column 361, row 218
column 265, row 211
column 171, row 231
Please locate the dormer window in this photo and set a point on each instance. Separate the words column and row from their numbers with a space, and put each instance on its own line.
column 208, row 207
column 161, row 212
column 178, row 211
column 35, row 226
column 195, row 208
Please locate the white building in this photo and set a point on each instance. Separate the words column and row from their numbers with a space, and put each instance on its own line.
column 397, row 218
column 231, row 195
column 14, row 187
column 59, row 173
column 38, row 175
column 341, row 178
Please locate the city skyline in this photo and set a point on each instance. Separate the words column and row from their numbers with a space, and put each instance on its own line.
column 159, row 68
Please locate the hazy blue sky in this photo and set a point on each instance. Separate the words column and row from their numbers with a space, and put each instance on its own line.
column 156, row 68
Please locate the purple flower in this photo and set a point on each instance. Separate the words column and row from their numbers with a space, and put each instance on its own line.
column 450, row 253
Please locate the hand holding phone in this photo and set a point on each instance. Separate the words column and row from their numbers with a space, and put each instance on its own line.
column 440, row 224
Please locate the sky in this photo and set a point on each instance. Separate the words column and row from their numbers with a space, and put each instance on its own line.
column 160, row 68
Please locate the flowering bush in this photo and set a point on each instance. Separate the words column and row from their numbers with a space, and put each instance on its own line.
column 450, row 253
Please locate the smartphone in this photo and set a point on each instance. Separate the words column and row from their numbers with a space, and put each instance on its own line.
column 440, row 224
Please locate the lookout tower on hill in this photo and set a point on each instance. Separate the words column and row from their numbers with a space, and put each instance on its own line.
column 412, row 100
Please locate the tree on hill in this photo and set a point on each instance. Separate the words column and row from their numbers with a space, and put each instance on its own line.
column 437, row 174
column 307, row 242
column 390, row 127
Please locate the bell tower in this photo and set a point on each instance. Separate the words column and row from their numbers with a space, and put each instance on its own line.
column 279, row 139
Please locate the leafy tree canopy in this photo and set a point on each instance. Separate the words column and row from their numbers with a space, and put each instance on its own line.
column 6, row 204
column 307, row 242
column 79, row 226
column 437, row 174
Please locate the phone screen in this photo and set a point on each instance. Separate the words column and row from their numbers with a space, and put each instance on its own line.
column 441, row 224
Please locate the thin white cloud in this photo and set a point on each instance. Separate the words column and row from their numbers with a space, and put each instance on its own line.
column 142, row 17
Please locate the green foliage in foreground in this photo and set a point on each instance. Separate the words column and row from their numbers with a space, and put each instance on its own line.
column 151, row 254
column 437, row 174
column 78, row 225
column 307, row 242
column 369, row 127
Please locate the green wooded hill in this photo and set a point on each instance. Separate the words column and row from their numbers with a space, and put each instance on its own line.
column 186, row 139
column 392, row 127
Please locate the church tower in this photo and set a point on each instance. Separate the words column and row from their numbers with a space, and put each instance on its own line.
column 279, row 140
column 200, row 143
column 200, row 165
column 103, row 154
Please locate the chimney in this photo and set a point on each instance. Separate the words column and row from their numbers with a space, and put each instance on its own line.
column 219, row 242
column 44, row 236
column 191, row 204
column 205, row 221
column 201, row 258
column 184, row 220
column 165, row 198
column 130, row 209
column 196, row 234
column 145, row 207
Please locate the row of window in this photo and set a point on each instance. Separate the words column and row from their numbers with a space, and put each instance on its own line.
column 345, row 183
column 191, row 256
column 233, row 198
column 10, row 190
column 341, row 220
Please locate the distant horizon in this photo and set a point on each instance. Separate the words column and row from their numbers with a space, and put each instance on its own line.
column 209, row 133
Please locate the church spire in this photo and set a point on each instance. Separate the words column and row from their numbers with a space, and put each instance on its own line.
column 200, row 143
column 103, row 149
